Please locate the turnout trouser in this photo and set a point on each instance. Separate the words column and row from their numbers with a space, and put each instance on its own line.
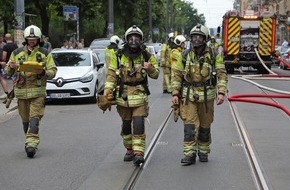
column 31, row 111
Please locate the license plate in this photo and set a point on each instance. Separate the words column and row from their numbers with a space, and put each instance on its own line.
column 59, row 95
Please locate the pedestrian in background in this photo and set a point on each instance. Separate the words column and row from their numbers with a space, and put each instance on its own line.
column 8, row 48
column 285, row 43
column 83, row 42
column 30, row 86
column 64, row 44
column 79, row 45
column 195, row 85
column 2, row 65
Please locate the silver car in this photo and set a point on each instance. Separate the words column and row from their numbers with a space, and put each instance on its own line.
column 80, row 74
column 157, row 48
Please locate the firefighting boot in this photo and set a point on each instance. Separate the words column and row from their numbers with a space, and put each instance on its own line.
column 129, row 155
column 188, row 160
column 203, row 157
column 30, row 151
column 138, row 159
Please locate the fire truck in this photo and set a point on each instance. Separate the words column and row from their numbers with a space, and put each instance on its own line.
column 248, row 41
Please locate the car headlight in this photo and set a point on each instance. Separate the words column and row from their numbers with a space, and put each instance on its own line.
column 87, row 78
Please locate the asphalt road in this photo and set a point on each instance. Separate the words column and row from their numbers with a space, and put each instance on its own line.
column 81, row 148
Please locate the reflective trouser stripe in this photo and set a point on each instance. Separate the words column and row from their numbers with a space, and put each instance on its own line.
column 127, row 141
column 167, row 79
column 138, row 143
column 189, row 148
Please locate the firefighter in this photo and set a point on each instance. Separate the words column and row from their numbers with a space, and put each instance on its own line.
column 165, row 63
column 195, row 85
column 213, row 43
column 110, row 51
column 177, row 49
column 30, row 87
column 176, row 58
column 127, row 78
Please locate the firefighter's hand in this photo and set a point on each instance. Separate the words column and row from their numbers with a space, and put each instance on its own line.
column 175, row 100
column 107, row 92
column 40, row 71
column 147, row 65
column 3, row 64
column 220, row 99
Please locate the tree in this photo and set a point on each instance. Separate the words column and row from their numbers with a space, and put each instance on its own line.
column 93, row 17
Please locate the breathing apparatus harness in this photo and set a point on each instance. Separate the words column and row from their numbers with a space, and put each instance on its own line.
column 211, row 82
column 132, row 73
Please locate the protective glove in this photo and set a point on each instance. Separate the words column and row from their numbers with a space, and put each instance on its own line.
column 9, row 98
column 176, row 112
column 104, row 103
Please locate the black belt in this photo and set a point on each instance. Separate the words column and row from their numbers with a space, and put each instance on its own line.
column 144, row 83
column 197, row 84
column 134, row 83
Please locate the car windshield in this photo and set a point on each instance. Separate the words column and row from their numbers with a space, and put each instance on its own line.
column 101, row 54
column 71, row 59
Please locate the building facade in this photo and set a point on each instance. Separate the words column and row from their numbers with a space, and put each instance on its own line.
column 279, row 7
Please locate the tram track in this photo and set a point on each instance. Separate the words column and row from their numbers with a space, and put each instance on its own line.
column 255, row 166
column 148, row 153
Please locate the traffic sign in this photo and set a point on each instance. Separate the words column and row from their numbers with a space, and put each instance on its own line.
column 70, row 13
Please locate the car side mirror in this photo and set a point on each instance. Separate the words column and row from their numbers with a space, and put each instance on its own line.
column 100, row 65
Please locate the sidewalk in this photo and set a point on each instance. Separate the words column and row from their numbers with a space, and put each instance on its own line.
column 13, row 105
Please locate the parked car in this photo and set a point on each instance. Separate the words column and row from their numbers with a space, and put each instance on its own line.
column 101, row 54
column 152, row 50
column 80, row 74
column 286, row 57
column 157, row 47
column 279, row 51
column 102, row 43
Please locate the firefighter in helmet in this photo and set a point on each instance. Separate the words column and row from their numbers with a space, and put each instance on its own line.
column 127, row 78
column 195, row 85
column 110, row 51
column 176, row 58
column 30, row 86
column 165, row 62
column 213, row 43
column 176, row 51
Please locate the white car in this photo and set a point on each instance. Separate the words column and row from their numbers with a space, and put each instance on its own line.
column 157, row 49
column 80, row 74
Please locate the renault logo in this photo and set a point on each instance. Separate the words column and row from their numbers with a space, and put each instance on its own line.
column 59, row 82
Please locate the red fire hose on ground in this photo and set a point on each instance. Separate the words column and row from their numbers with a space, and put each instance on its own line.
column 283, row 61
column 245, row 98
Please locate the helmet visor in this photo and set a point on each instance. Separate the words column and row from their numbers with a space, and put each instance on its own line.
column 134, row 41
column 197, row 40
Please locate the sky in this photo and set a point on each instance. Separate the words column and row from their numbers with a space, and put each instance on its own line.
column 213, row 10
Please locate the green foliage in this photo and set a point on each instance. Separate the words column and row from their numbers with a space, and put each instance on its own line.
column 93, row 17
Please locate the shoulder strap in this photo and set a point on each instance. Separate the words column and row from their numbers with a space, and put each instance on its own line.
column 184, row 55
column 212, row 55
column 18, row 50
column 146, row 55
column 43, row 50
column 119, row 54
